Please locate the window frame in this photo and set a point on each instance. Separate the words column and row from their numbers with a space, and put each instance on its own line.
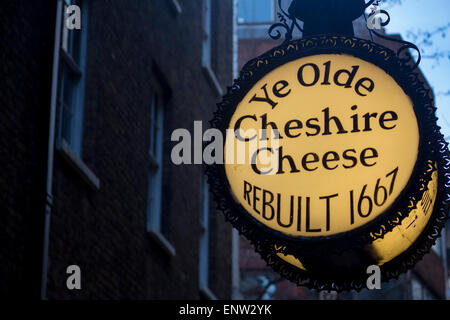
column 419, row 291
column 176, row 6
column 154, row 210
column 205, row 240
column 156, row 141
column 76, row 70
column 437, row 248
column 71, row 151
column 204, row 237
column 207, row 13
column 262, row 23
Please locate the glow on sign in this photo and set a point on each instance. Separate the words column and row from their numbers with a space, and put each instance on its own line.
column 332, row 141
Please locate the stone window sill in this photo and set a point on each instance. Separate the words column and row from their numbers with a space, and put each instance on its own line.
column 176, row 6
column 76, row 163
column 207, row 293
column 162, row 241
column 209, row 73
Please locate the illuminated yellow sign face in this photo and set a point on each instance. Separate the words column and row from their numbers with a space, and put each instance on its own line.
column 321, row 145
column 404, row 235
column 401, row 237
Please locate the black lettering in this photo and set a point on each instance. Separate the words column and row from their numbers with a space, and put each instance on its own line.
column 254, row 158
column 292, row 125
column 255, row 198
column 392, row 117
column 326, row 80
column 326, row 159
column 273, row 126
column 351, row 76
column 266, row 98
column 316, row 74
column 291, row 216
column 327, row 120
column 352, row 207
column 353, row 159
column 360, row 83
column 367, row 117
column 355, row 120
column 310, row 125
column 364, row 157
column 305, row 161
column 280, row 86
column 308, row 212
column 328, row 209
column 247, row 190
column 393, row 173
column 281, row 157
column 266, row 203
column 237, row 127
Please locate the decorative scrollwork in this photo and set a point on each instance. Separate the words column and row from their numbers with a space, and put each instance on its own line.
column 405, row 44
column 289, row 23
column 283, row 17
column 433, row 154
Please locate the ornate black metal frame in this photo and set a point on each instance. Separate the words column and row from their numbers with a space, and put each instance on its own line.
column 433, row 150
column 284, row 16
column 405, row 45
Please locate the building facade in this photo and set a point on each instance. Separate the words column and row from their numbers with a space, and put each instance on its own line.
column 428, row 280
column 87, row 182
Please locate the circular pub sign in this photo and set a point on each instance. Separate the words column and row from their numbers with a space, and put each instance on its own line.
column 332, row 161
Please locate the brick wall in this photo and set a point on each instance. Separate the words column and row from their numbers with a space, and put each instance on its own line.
column 430, row 270
column 27, row 34
column 133, row 47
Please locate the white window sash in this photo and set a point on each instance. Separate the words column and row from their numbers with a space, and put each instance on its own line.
column 204, row 238
column 206, row 52
column 78, row 89
column 273, row 14
column 155, row 176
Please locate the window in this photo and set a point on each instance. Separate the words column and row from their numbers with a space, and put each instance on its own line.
column 204, row 240
column 154, row 207
column 254, row 18
column 72, row 83
column 72, row 65
column 256, row 11
column 176, row 6
column 206, row 50
column 419, row 291
column 156, row 157
column 207, row 47
column 437, row 247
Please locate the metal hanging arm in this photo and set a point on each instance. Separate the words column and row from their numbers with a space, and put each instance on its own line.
column 405, row 44
column 325, row 17
column 289, row 29
column 337, row 22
